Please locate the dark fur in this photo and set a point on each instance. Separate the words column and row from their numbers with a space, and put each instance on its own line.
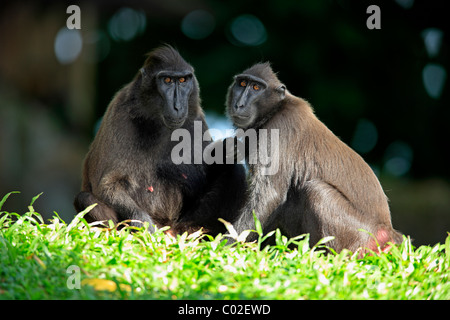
column 128, row 170
column 322, row 187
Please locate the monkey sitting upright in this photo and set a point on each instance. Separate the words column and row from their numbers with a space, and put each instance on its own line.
column 322, row 187
column 129, row 171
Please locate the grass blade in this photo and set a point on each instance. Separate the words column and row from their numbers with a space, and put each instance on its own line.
column 79, row 216
column 35, row 198
column 6, row 197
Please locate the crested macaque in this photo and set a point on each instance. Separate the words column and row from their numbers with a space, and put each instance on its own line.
column 129, row 171
column 322, row 187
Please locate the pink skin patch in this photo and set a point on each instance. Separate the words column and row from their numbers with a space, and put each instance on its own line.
column 382, row 237
column 171, row 233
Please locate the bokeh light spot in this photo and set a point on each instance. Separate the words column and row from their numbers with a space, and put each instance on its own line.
column 434, row 76
column 248, row 30
column 405, row 4
column 198, row 24
column 365, row 137
column 222, row 126
column 432, row 38
column 398, row 158
column 68, row 45
column 126, row 24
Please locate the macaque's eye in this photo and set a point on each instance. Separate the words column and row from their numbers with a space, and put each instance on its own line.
column 256, row 87
column 182, row 80
column 243, row 83
column 167, row 80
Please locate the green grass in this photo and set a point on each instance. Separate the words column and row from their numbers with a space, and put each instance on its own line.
column 134, row 264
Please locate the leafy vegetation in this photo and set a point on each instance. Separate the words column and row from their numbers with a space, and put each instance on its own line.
column 80, row 261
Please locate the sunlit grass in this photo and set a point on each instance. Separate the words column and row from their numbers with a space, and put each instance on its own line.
column 133, row 264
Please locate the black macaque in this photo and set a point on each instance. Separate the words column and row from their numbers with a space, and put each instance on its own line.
column 129, row 171
column 322, row 187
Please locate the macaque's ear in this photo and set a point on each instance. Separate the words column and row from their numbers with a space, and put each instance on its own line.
column 282, row 91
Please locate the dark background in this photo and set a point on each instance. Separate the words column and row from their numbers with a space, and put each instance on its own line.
column 384, row 92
